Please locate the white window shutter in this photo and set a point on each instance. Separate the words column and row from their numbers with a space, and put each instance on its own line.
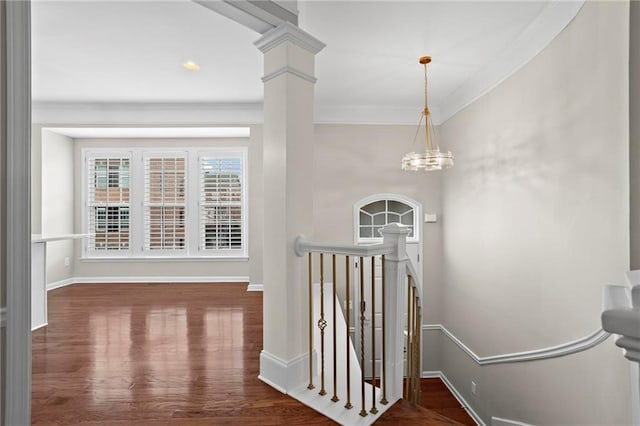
column 165, row 203
column 221, row 203
column 108, row 203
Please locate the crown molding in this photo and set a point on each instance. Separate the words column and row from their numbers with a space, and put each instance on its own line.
column 550, row 22
column 149, row 113
column 123, row 113
column 359, row 114
column 289, row 32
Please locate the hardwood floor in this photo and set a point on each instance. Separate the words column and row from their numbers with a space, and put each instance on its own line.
column 157, row 354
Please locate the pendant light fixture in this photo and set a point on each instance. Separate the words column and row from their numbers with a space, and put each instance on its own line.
column 432, row 158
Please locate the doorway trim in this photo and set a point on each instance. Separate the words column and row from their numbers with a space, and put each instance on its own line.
column 15, row 216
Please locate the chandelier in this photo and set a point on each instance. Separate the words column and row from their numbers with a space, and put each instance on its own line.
column 432, row 158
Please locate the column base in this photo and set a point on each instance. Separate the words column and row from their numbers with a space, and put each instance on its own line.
column 285, row 375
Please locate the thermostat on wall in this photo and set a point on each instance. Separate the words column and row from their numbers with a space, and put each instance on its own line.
column 430, row 217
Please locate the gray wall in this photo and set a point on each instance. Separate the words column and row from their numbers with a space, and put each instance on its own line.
column 3, row 200
column 535, row 223
column 634, row 129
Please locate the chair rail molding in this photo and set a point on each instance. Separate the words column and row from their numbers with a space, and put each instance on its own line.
column 564, row 349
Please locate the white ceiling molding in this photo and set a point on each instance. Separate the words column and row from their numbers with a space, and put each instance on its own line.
column 146, row 113
column 540, row 32
column 372, row 115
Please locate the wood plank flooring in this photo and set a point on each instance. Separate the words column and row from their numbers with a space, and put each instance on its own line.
column 179, row 354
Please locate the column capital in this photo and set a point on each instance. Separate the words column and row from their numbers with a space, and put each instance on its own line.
column 291, row 33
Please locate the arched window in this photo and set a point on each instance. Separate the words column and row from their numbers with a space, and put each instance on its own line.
column 372, row 213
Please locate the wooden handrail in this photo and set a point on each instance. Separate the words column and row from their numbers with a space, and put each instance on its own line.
column 303, row 246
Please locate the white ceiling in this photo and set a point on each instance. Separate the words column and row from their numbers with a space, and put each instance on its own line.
column 131, row 52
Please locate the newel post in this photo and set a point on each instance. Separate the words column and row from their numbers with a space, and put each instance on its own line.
column 395, row 301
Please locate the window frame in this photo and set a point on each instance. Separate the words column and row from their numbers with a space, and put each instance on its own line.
column 412, row 204
column 137, row 195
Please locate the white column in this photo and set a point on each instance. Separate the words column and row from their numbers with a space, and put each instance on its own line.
column 395, row 306
column 288, row 199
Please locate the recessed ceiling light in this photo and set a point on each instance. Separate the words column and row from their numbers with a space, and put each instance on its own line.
column 191, row 66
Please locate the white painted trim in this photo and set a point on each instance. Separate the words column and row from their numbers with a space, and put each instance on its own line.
column 564, row 349
column 226, row 8
column 498, row 421
column 303, row 246
column 289, row 32
column 255, row 287
column 16, row 209
column 282, row 375
column 290, row 70
column 3, row 317
column 463, row 402
column 272, row 384
column 40, row 326
column 181, row 259
column 549, row 23
column 150, row 280
column 415, row 205
column 147, row 113
column 60, row 284
column 370, row 114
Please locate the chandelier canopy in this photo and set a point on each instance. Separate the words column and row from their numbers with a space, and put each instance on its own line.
column 432, row 158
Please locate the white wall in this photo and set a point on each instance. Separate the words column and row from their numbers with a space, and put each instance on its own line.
column 535, row 223
column 57, row 202
column 355, row 161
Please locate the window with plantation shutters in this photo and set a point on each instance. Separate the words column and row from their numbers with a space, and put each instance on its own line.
column 108, row 203
column 221, row 212
column 165, row 203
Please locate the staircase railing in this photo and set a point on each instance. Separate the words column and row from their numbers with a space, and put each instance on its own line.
column 386, row 321
column 414, row 335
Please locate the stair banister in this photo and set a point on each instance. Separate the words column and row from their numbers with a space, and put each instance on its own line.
column 621, row 316
column 303, row 245
column 394, row 284
column 394, row 235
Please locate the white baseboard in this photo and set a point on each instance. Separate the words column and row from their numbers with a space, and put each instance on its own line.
column 60, row 284
column 40, row 326
column 255, row 287
column 284, row 375
column 152, row 280
column 497, row 421
column 463, row 402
